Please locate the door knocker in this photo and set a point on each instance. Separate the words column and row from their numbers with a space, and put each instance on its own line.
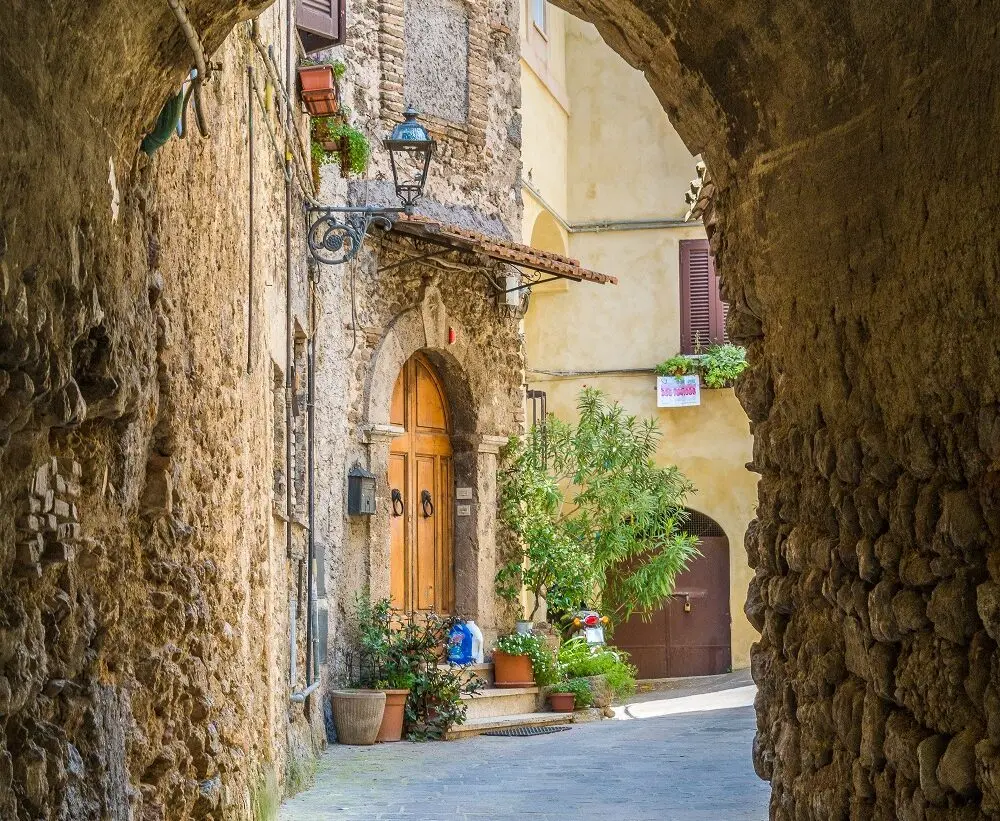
column 426, row 503
column 397, row 499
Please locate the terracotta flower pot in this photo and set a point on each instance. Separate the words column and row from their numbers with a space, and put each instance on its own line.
column 319, row 90
column 512, row 671
column 357, row 715
column 562, row 702
column 391, row 728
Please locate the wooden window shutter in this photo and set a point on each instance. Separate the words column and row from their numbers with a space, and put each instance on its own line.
column 321, row 23
column 703, row 313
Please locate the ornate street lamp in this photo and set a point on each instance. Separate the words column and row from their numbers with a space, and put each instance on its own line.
column 410, row 149
column 338, row 232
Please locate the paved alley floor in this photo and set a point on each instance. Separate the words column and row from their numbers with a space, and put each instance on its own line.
column 669, row 756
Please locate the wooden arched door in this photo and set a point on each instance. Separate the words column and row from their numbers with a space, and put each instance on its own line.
column 689, row 635
column 422, row 564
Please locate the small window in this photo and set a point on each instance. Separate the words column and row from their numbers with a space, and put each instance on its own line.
column 539, row 413
column 703, row 313
column 539, row 15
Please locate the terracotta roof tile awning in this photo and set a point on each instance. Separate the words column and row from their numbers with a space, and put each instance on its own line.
column 524, row 256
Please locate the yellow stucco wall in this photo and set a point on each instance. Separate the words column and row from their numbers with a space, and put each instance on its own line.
column 623, row 161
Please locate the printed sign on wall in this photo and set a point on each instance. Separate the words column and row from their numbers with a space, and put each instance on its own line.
column 678, row 391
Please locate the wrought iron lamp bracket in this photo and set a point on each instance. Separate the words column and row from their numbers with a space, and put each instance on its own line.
column 337, row 233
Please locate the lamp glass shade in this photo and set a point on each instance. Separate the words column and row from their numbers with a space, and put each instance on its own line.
column 410, row 150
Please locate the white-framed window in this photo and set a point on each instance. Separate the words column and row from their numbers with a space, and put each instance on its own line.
column 539, row 14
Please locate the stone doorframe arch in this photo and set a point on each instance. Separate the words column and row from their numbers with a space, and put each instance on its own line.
column 480, row 412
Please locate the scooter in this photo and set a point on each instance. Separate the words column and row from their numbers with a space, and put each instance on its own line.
column 590, row 625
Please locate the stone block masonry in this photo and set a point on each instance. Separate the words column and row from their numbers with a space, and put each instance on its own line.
column 144, row 584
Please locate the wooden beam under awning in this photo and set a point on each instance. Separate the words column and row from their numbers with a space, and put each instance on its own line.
column 524, row 256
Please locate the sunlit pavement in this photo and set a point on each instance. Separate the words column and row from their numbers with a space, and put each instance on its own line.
column 664, row 758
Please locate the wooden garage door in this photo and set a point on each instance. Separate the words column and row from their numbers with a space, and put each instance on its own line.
column 690, row 634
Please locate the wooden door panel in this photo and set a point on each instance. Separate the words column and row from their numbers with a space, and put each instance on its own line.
column 686, row 642
column 422, row 553
column 398, row 563
column 430, row 406
column 425, row 557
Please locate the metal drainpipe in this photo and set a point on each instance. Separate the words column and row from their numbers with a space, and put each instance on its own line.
column 289, row 351
column 250, row 261
column 310, row 462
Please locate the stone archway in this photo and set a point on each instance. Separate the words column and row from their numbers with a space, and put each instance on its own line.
column 855, row 149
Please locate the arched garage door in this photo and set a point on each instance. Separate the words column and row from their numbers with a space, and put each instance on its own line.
column 690, row 634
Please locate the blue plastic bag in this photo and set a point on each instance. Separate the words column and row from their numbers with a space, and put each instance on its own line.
column 460, row 644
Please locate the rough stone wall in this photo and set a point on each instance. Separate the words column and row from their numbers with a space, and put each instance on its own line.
column 855, row 148
column 143, row 605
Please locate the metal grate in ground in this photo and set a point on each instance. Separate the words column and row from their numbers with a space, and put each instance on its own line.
column 519, row 731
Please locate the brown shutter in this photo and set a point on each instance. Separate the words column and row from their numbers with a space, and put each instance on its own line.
column 321, row 23
column 703, row 313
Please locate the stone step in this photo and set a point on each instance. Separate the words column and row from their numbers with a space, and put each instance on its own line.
column 494, row 701
column 483, row 671
column 476, row 726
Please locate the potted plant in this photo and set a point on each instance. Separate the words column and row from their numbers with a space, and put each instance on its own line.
column 402, row 658
column 319, row 89
column 570, row 695
column 384, row 664
column 521, row 660
column 357, row 715
column 675, row 366
column 335, row 140
column 396, row 686
column 722, row 364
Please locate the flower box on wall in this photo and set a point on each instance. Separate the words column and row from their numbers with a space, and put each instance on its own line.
column 319, row 90
column 678, row 391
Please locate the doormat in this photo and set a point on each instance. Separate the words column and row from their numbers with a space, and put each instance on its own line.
column 535, row 730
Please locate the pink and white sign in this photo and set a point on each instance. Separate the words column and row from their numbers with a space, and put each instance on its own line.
column 678, row 391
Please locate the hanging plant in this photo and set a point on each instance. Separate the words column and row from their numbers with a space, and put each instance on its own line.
column 719, row 365
column 334, row 140
column 722, row 364
column 319, row 82
column 675, row 366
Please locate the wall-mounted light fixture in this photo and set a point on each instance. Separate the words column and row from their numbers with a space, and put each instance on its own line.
column 360, row 491
column 338, row 232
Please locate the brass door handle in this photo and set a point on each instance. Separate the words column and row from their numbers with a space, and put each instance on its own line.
column 426, row 503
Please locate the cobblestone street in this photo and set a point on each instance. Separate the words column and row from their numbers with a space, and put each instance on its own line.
column 682, row 766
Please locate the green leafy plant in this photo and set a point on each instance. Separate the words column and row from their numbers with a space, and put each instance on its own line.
column 594, row 517
column 543, row 660
column 579, row 687
column 720, row 365
column 577, row 659
column 404, row 654
column 330, row 130
column 676, row 366
column 435, row 701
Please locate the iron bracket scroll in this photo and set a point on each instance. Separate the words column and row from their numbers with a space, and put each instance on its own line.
column 336, row 233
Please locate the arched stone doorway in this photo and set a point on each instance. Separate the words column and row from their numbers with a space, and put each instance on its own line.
column 472, row 410
column 690, row 634
column 422, row 557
